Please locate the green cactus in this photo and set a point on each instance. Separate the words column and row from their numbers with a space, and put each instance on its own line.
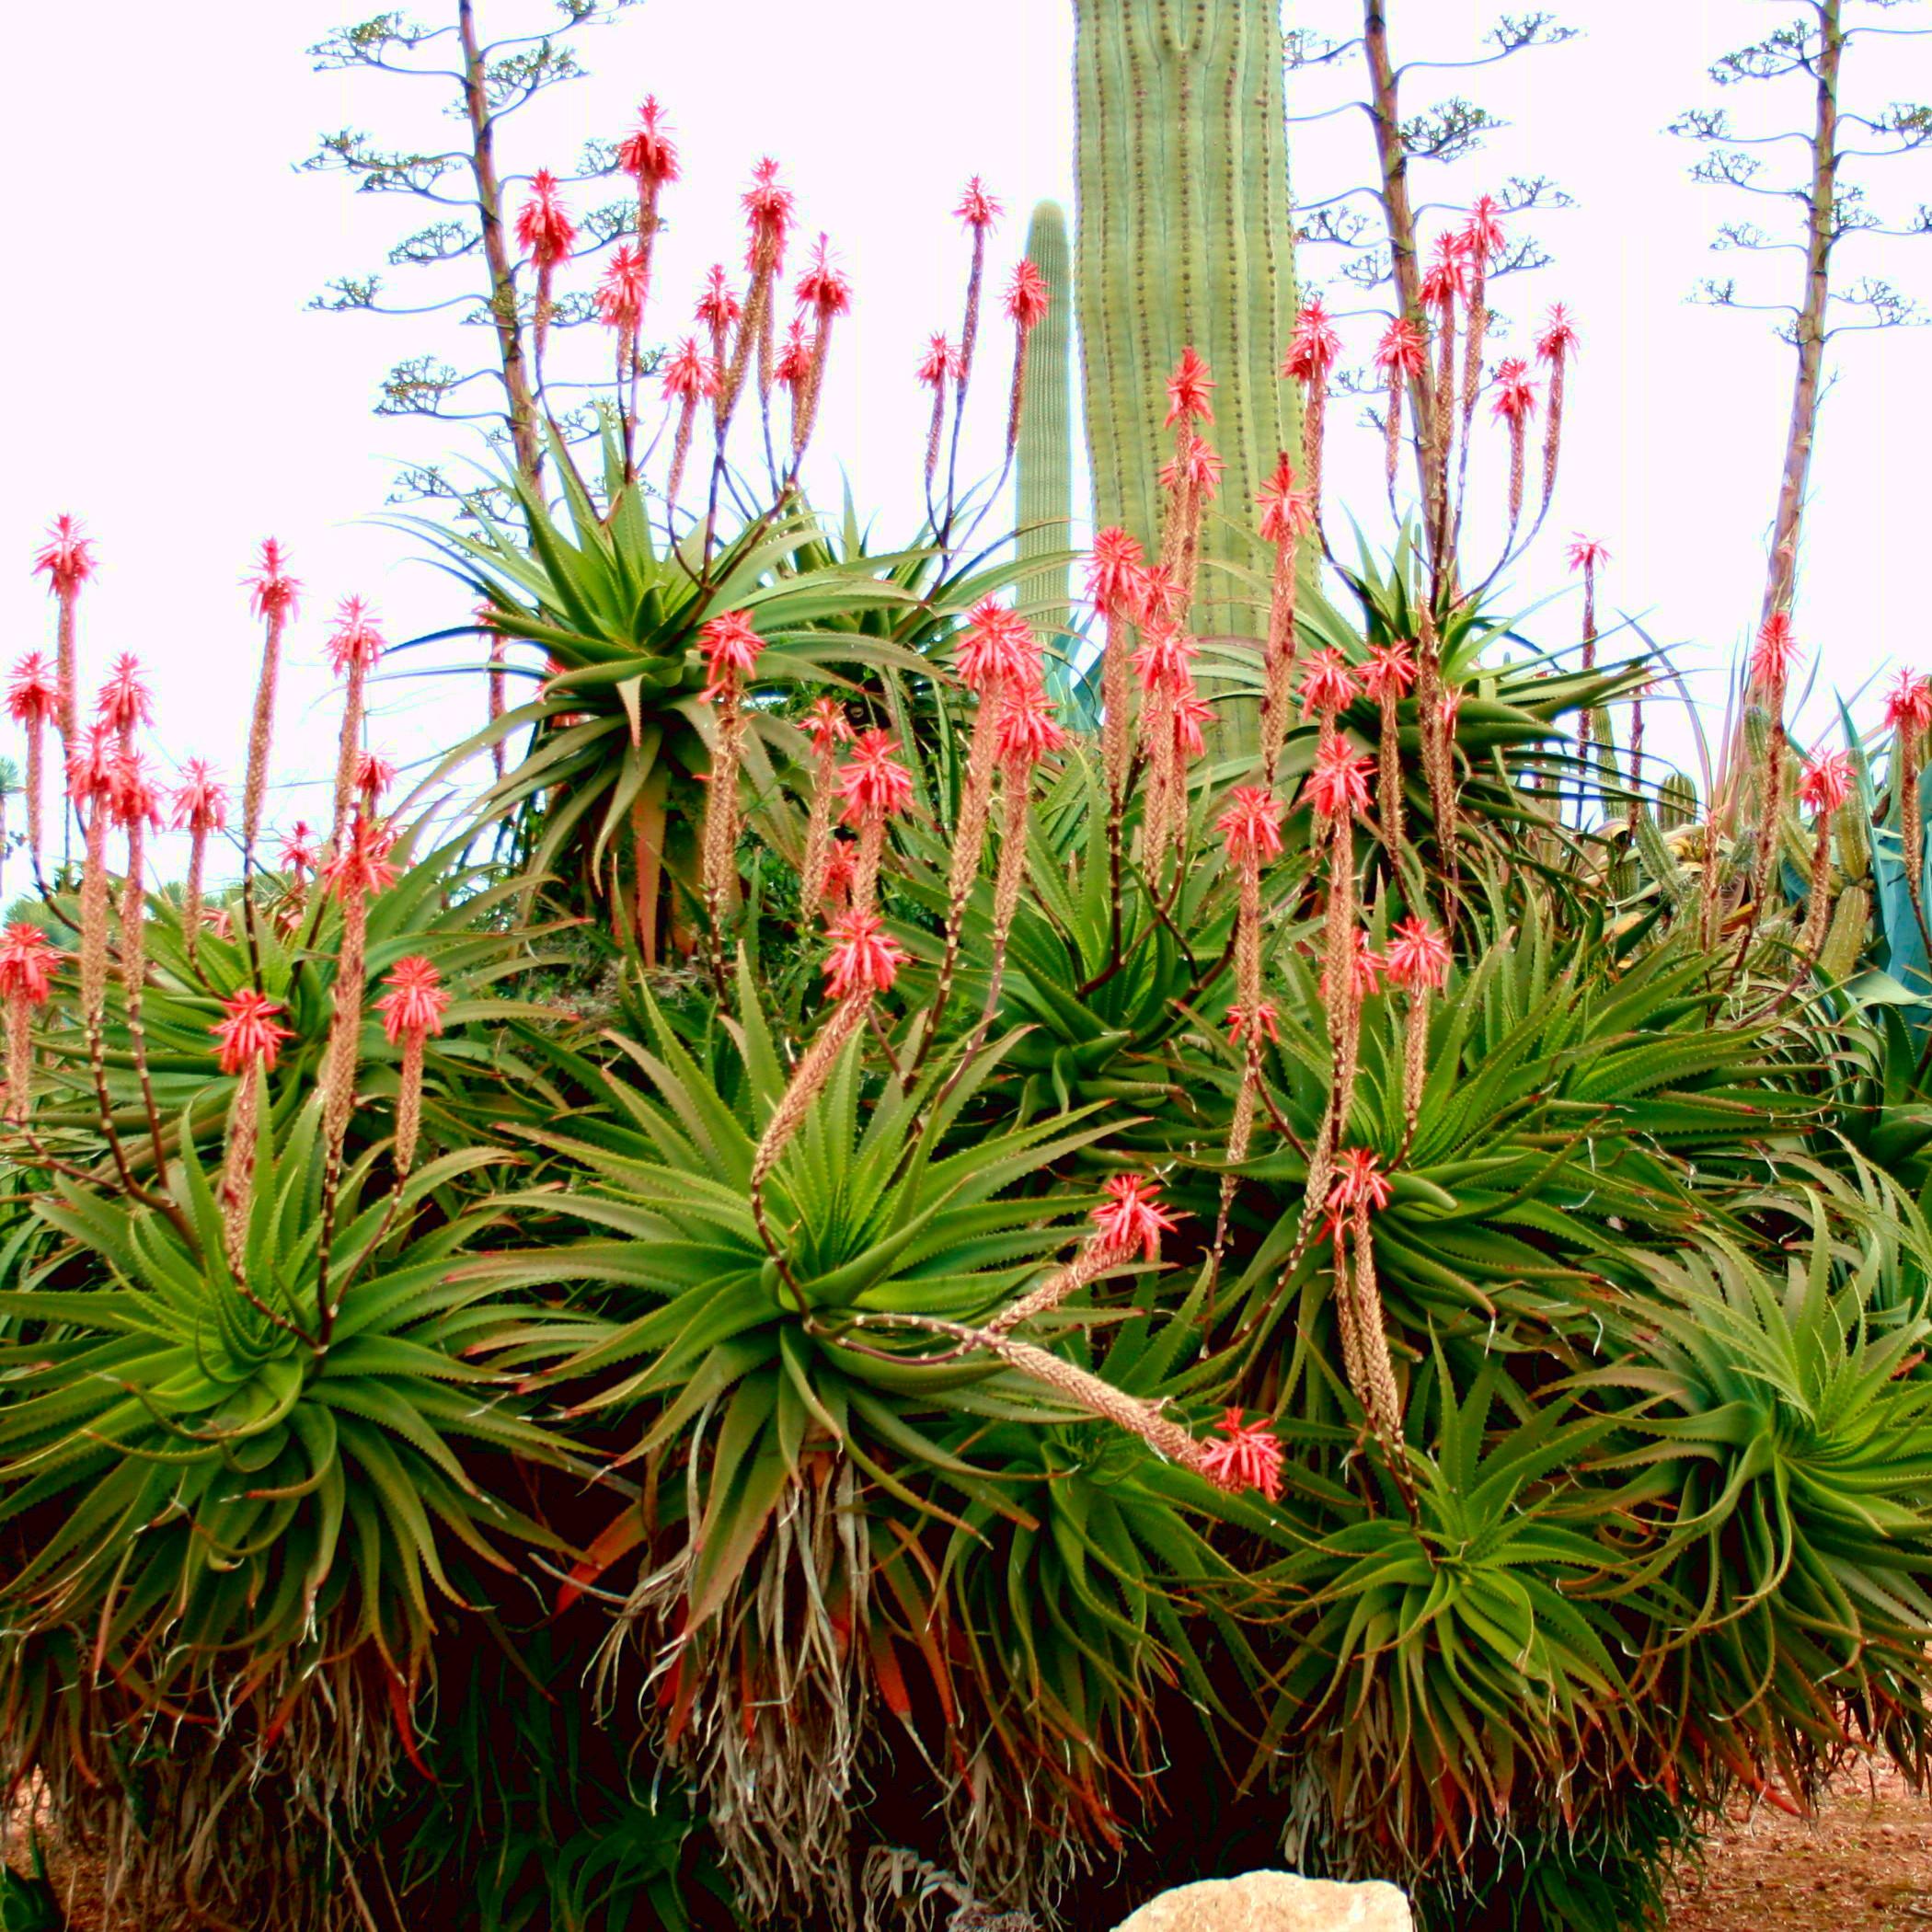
column 1184, row 240
column 1045, row 457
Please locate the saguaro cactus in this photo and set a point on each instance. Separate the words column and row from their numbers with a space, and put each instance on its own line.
column 1184, row 240
column 1045, row 458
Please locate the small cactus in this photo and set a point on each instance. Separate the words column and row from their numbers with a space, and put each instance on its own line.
column 1045, row 459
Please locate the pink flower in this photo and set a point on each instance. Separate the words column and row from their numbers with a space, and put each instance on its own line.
column 1132, row 1216
column 544, row 228
column 1195, row 466
column 132, row 796
column 1315, row 348
column 997, row 649
column 977, row 209
column 272, row 593
column 873, row 783
column 1247, row 1456
column 1515, row 394
column 1191, row 713
column 1403, row 351
column 124, row 702
column 768, row 206
column 1251, row 825
column 1826, row 781
column 27, row 963
column 1026, row 732
column 1390, row 670
column 298, row 848
column 1445, row 281
column 689, row 375
column 415, row 1002
column 1361, row 1181
column 1369, row 968
column 1242, row 1026
column 1188, row 391
column 1329, row 682
column 1418, row 957
column 1482, row 238
column 1162, row 662
column 841, row 871
column 826, row 725
column 647, row 154
column 200, row 803
column 1286, row 512
column 1161, row 599
column 1559, row 338
column 362, row 865
column 1776, row 652
column 620, row 295
column 374, row 776
column 1114, row 572
column 67, row 557
column 1908, row 704
column 1028, row 297
column 249, row 1030
column 730, row 647
column 1338, row 786
column 940, row 364
column 355, row 641
column 862, row 957
column 1586, row 554
column 792, row 364
column 822, row 288
column 717, row 308
column 90, row 766
column 34, row 697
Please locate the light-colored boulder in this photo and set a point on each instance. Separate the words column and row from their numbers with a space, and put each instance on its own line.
column 1273, row 1902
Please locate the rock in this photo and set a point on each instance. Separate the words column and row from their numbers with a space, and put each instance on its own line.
column 1273, row 1902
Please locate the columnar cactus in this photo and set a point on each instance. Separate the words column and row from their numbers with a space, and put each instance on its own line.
column 1045, row 460
column 1184, row 240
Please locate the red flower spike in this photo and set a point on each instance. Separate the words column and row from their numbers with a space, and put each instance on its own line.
column 1194, row 466
column 648, row 154
column 1776, row 652
column 1390, row 670
column 941, row 363
column 1403, row 350
column 1247, row 1456
column 1361, row 1181
column 1286, row 512
column 1263, row 1024
column 998, row 650
column 1515, row 394
column 124, row 703
column 730, row 647
column 544, row 228
column 689, row 375
column 1162, row 599
column 1586, row 554
column 1132, row 1216
column 768, row 207
column 977, row 209
column 355, row 641
column 272, row 593
column 822, row 288
column 362, row 865
column 1028, row 297
column 298, row 848
column 1418, row 958
column 1826, row 781
column 132, row 798
column 872, row 783
column 1026, row 732
column 1338, row 785
column 27, row 963
column 34, row 697
column 1115, row 571
column 1329, row 682
column 862, row 956
column 1316, row 346
column 1482, row 238
column 1908, row 704
column 1251, row 825
column 200, row 803
column 620, row 295
column 717, row 308
column 416, row 1000
column 374, row 776
column 791, row 367
column 1559, row 338
column 1192, row 713
column 67, row 557
column 1188, row 391
column 1369, row 965
column 249, row 1031
column 1446, row 280
column 90, row 770
column 826, row 725
column 1161, row 663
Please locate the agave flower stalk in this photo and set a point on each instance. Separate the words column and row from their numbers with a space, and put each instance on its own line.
column 1442, row 291
column 33, row 702
column 90, row 781
column 1908, row 712
column 412, row 1009
column 1028, row 300
column 1589, row 557
column 274, row 595
column 1770, row 671
column 67, row 558
column 1161, row 665
column 730, row 647
column 768, row 206
column 1286, row 517
column 1402, row 356
column 826, row 293
column 198, row 806
column 718, row 311
column 547, row 233
column 354, row 647
column 1389, row 677
column 1027, row 734
column 124, row 705
column 828, row 728
column 1516, row 405
column 1131, row 1219
column 937, row 367
column 1188, row 477
column 1312, row 352
column 873, row 786
column 978, row 211
column 1116, row 585
column 1360, row 1189
column 1825, row 786
column 1634, row 810
column 1482, row 241
column 650, row 157
column 498, row 681
column 691, row 377
column 1251, row 828
column 251, row 1039
column 1436, row 711
column 1417, row 961
column 1554, row 346
column 135, row 808
column 27, row 963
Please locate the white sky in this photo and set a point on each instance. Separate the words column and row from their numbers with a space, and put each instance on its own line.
column 171, row 391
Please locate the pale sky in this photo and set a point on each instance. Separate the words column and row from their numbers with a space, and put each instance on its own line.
column 171, row 391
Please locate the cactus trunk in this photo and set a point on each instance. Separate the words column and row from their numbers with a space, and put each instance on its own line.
column 1045, row 462
column 1184, row 240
